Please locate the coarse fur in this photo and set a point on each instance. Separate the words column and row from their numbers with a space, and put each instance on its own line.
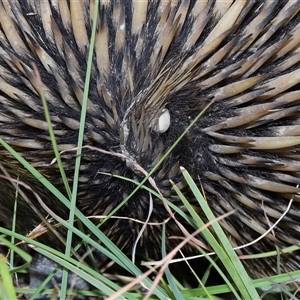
column 150, row 58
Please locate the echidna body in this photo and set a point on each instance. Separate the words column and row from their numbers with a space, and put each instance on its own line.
column 156, row 66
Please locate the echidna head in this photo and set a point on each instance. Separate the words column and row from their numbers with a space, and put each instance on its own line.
column 156, row 65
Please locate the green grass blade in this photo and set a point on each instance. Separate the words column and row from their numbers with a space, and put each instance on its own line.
column 7, row 290
column 225, row 253
column 210, row 239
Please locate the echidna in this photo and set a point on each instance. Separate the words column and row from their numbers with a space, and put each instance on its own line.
column 156, row 66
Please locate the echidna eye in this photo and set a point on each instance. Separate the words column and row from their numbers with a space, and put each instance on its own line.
column 163, row 122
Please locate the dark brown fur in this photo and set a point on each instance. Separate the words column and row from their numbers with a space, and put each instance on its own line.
column 149, row 57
